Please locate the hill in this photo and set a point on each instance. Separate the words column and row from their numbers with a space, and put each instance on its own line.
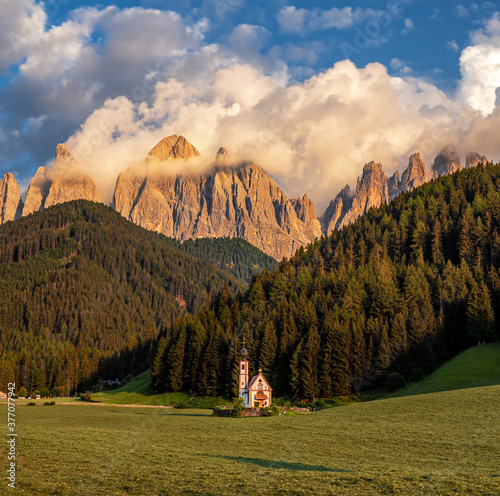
column 84, row 293
column 233, row 255
column 475, row 367
column 403, row 289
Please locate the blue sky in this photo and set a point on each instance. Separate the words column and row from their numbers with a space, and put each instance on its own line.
column 67, row 65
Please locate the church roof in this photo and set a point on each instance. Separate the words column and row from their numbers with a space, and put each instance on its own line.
column 254, row 380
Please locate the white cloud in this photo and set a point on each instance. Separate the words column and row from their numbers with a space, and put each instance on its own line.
column 293, row 20
column 409, row 26
column 462, row 11
column 480, row 68
column 22, row 23
column 313, row 136
column 453, row 45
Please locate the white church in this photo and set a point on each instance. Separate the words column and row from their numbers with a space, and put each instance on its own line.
column 258, row 389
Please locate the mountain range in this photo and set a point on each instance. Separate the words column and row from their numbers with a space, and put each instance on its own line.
column 227, row 200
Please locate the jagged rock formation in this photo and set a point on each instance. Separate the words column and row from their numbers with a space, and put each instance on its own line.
column 415, row 175
column 240, row 201
column 10, row 199
column 61, row 184
column 173, row 147
column 473, row 158
column 38, row 190
column 222, row 156
column 447, row 162
column 372, row 190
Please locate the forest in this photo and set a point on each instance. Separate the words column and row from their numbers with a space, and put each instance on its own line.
column 84, row 293
column 397, row 293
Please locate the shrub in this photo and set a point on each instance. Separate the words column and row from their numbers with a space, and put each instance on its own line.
column 395, row 381
column 86, row 397
column 31, row 403
column 55, row 393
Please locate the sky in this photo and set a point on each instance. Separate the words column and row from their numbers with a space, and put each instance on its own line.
column 310, row 91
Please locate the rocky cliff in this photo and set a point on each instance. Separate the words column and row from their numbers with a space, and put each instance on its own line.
column 233, row 201
column 64, row 182
column 472, row 159
column 447, row 162
column 372, row 190
column 10, row 199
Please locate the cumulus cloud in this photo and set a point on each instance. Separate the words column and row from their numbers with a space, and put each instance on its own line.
column 134, row 76
column 314, row 136
column 480, row 67
column 22, row 23
column 293, row 20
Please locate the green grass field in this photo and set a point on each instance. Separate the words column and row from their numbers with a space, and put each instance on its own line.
column 138, row 392
column 444, row 443
column 420, row 443
column 475, row 367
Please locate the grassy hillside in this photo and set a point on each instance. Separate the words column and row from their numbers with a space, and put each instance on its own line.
column 444, row 443
column 138, row 392
column 477, row 366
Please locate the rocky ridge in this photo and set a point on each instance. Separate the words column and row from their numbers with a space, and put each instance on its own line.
column 10, row 199
column 60, row 184
column 225, row 201
column 374, row 188
column 230, row 200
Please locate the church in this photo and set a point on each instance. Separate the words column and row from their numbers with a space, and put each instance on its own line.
column 257, row 390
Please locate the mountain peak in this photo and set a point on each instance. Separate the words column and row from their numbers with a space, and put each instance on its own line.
column 222, row 156
column 173, row 147
column 447, row 161
column 473, row 158
column 10, row 199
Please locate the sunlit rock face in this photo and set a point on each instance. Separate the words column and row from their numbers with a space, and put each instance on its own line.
column 239, row 200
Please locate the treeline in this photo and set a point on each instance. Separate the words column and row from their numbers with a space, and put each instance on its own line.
column 234, row 255
column 402, row 290
column 84, row 294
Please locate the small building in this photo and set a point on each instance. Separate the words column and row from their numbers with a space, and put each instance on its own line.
column 255, row 390
column 3, row 396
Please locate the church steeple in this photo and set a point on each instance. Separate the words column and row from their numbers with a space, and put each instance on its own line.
column 243, row 379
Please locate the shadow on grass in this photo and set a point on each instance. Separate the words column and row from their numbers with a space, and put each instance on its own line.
column 280, row 464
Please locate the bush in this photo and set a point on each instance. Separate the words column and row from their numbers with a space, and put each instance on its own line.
column 55, row 393
column 86, row 397
column 31, row 403
column 395, row 381
column 22, row 392
column 49, row 403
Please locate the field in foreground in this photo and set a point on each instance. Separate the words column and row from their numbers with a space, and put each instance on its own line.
column 445, row 443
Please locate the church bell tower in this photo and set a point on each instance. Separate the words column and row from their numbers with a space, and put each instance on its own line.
column 243, row 370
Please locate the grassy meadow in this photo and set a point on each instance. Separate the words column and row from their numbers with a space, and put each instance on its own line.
column 476, row 366
column 445, row 443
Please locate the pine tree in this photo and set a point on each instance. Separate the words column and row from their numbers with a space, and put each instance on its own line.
column 480, row 316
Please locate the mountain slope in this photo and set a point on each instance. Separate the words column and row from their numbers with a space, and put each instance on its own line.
column 84, row 293
column 224, row 201
column 403, row 289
